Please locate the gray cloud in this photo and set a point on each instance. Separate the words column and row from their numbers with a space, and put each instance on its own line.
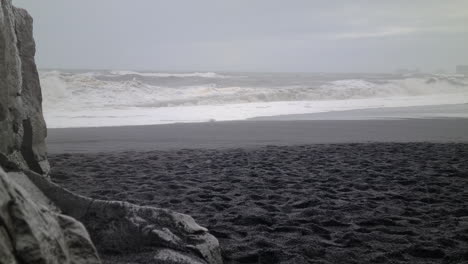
column 396, row 31
column 256, row 35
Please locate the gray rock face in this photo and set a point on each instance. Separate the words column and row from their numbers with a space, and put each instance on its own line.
column 33, row 146
column 33, row 233
column 11, row 113
column 22, row 125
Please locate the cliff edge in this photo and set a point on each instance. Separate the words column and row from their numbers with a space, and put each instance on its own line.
column 22, row 126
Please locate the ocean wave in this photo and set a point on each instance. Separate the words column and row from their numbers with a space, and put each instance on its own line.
column 166, row 75
column 72, row 91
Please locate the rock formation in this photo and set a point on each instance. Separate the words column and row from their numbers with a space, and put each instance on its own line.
column 22, row 125
column 34, row 233
column 37, row 217
column 123, row 227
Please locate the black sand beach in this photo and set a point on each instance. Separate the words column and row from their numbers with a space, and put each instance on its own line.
column 380, row 202
column 299, row 132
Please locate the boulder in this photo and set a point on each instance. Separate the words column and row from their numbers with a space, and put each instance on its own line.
column 33, row 233
column 121, row 227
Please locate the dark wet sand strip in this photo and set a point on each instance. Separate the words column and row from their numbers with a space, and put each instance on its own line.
column 253, row 134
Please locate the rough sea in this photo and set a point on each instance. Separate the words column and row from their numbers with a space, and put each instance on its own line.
column 117, row 98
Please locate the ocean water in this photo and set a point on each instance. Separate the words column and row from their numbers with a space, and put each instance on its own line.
column 116, row 98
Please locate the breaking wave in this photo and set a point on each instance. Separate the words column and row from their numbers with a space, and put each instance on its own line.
column 165, row 75
column 62, row 91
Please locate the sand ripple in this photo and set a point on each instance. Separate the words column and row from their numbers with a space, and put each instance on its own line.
column 343, row 203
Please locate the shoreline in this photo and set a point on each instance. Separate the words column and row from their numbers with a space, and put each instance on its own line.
column 454, row 111
column 280, row 110
column 248, row 134
column 282, row 190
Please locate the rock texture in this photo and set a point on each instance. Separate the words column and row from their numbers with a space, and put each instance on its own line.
column 32, row 233
column 32, row 226
column 33, row 146
column 22, row 126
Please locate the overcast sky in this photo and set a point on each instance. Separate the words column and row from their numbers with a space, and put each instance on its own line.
column 250, row 35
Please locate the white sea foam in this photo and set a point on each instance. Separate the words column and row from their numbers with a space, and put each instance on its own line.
column 163, row 74
column 97, row 99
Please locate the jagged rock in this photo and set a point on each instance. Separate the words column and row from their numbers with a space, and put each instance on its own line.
column 34, row 233
column 11, row 114
column 114, row 226
column 34, row 127
column 22, row 126
column 123, row 227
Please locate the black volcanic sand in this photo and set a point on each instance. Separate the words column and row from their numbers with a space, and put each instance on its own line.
column 339, row 203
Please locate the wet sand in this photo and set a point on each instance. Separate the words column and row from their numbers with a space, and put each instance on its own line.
column 248, row 134
column 322, row 203
column 412, row 112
